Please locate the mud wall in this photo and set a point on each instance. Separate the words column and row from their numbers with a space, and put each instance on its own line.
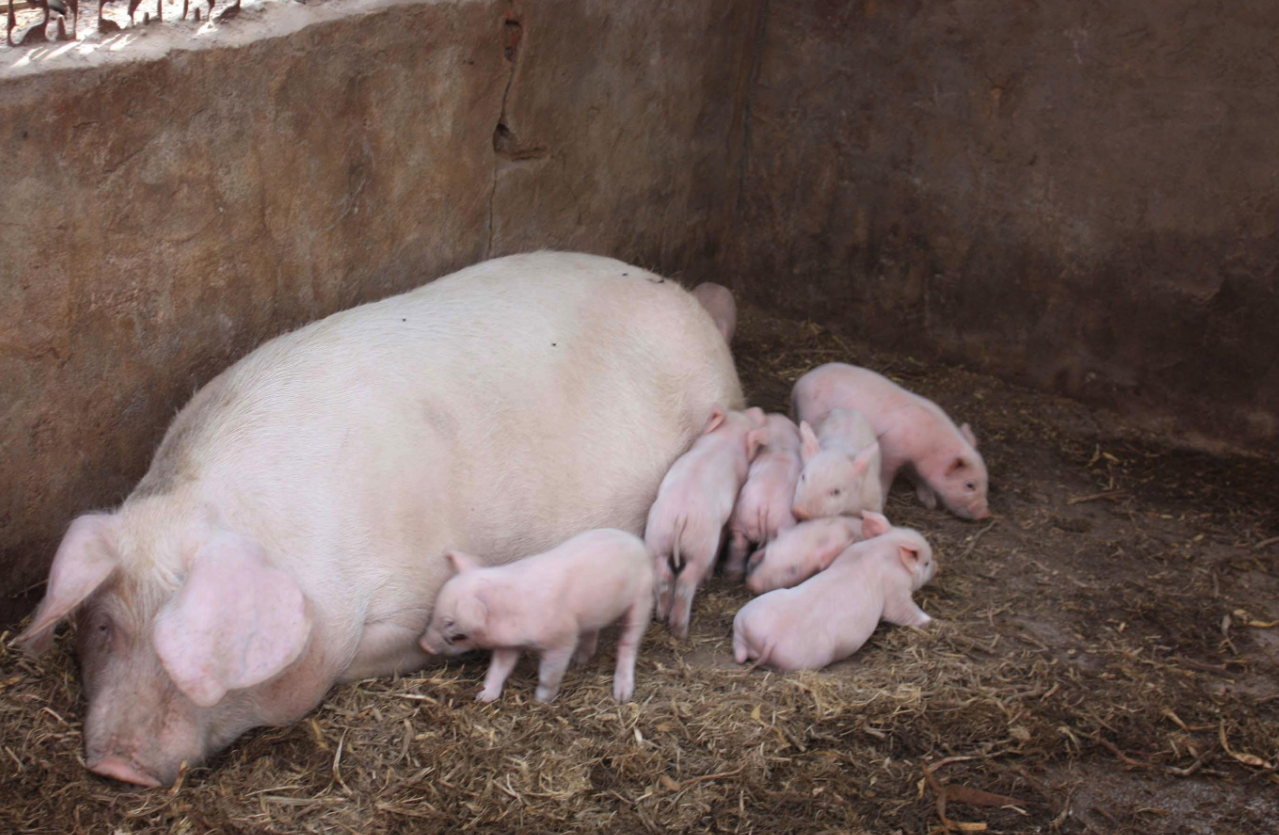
column 1080, row 196
column 165, row 210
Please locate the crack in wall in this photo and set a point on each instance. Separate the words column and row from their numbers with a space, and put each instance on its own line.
column 504, row 143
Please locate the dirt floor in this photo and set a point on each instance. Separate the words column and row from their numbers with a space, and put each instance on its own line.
column 1103, row 660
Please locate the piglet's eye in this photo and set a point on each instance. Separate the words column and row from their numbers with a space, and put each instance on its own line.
column 836, row 491
column 971, row 486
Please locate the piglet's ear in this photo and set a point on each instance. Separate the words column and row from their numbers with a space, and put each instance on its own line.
column 808, row 445
column 755, row 439
column 956, row 465
column 863, row 459
column 967, row 432
column 756, row 415
column 910, row 557
column 236, row 622
column 874, row 524
column 462, row 562
column 84, row 560
column 716, row 418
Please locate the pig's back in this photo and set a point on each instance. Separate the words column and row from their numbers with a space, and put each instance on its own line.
column 499, row 410
column 837, row 385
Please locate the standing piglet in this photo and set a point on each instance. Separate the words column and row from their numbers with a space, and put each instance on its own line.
column 718, row 301
column 841, row 467
column 552, row 603
column 830, row 616
column 764, row 506
column 915, row 434
column 686, row 524
column 808, row 548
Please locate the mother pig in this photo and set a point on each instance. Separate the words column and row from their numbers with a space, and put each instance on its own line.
column 290, row 532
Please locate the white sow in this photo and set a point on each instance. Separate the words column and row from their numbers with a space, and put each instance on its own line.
column 291, row 530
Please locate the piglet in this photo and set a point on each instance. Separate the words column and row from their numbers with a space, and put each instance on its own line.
column 554, row 603
column 718, row 301
column 841, row 467
column 764, row 506
column 915, row 434
column 829, row 617
column 808, row 548
column 694, row 502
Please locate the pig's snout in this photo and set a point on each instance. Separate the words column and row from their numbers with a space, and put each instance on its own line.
column 801, row 514
column 119, row 768
column 982, row 513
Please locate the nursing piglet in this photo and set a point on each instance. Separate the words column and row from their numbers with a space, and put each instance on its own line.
column 915, row 434
column 841, row 467
column 718, row 301
column 764, row 505
column 694, row 502
column 808, row 548
column 554, row 603
column 829, row 617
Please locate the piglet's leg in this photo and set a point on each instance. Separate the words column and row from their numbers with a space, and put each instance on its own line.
column 682, row 606
column 551, row 672
column 902, row 610
column 925, row 493
column 500, row 667
column 633, row 628
column 739, row 548
column 586, row 647
column 664, row 581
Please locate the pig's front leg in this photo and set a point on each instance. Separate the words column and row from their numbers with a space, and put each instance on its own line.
column 586, row 647
column 634, row 626
column 551, row 672
column 739, row 548
column 903, row 611
column 500, row 667
column 925, row 493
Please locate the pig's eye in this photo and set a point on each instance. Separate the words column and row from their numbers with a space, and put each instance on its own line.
column 836, row 492
column 971, row 486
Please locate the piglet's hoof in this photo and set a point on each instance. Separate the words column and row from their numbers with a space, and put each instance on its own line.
column 545, row 694
column 487, row 695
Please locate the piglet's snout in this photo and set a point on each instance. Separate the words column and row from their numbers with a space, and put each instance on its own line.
column 801, row 514
column 119, row 768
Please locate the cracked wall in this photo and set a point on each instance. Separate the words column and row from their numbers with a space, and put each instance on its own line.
column 160, row 218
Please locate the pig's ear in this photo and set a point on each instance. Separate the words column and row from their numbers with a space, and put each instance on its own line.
column 956, row 465
column 910, row 557
column 874, row 524
column 808, row 446
column 462, row 562
column 235, row 622
column 755, row 439
column 84, row 560
column 862, row 461
column 967, row 432
column 716, row 418
column 757, row 416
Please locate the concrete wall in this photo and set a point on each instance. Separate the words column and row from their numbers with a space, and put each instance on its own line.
column 1081, row 196
column 164, row 211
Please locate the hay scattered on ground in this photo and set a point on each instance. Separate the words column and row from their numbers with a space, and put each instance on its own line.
column 1103, row 660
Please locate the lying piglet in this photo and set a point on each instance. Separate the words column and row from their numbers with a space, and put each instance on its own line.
column 830, row 616
column 686, row 523
column 915, row 434
column 841, row 467
column 718, row 301
column 808, row 548
column 764, row 506
column 554, row 603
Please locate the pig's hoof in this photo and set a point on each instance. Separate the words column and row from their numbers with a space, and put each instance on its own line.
column 623, row 690
column 545, row 694
column 487, row 695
